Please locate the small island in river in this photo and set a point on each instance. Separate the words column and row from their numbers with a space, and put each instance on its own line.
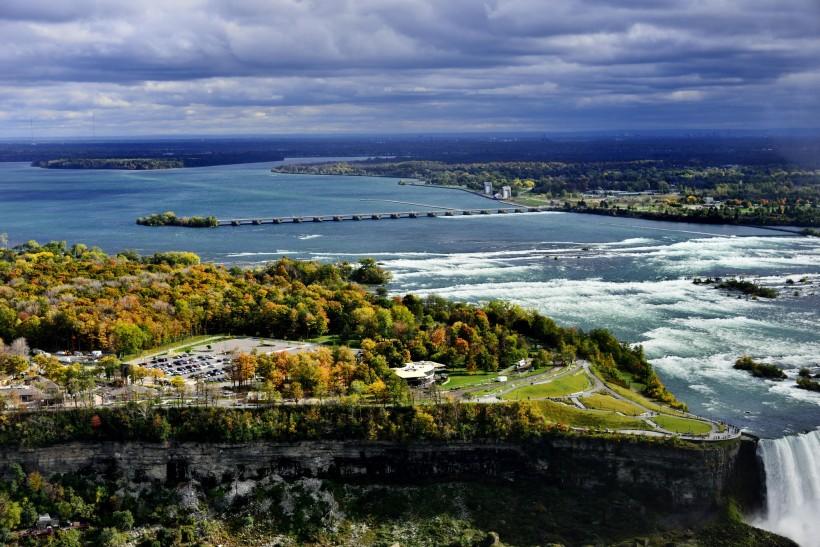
column 130, row 164
column 170, row 218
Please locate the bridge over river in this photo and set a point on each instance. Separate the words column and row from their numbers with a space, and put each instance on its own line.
column 296, row 219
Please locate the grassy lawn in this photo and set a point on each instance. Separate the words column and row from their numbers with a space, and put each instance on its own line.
column 677, row 424
column 179, row 344
column 529, row 199
column 459, row 378
column 559, row 387
column 608, row 402
column 566, row 414
column 643, row 401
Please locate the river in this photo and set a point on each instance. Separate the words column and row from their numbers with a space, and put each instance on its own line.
column 631, row 276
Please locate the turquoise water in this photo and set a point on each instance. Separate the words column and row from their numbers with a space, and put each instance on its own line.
column 631, row 276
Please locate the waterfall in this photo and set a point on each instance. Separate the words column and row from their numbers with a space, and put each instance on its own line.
column 792, row 467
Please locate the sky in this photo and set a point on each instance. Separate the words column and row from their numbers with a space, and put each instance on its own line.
column 170, row 67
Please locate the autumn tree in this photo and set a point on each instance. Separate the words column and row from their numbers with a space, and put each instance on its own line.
column 242, row 368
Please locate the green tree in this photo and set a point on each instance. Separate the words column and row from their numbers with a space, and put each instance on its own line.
column 122, row 520
column 10, row 512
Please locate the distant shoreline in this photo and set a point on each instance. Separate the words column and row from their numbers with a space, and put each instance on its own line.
column 150, row 163
column 622, row 213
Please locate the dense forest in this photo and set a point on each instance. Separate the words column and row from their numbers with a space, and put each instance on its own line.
column 129, row 164
column 60, row 297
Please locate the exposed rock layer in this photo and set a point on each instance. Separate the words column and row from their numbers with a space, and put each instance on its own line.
column 674, row 478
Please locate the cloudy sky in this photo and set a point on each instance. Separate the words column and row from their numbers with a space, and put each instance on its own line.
column 391, row 66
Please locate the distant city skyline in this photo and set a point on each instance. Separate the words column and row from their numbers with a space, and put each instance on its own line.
column 95, row 68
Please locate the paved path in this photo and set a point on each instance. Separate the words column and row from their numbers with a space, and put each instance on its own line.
column 598, row 386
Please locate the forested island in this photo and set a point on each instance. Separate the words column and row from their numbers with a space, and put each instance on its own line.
column 759, row 370
column 170, row 218
column 651, row 189
column 128, row 164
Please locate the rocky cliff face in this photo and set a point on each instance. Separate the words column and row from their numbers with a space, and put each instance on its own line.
column 675, row 478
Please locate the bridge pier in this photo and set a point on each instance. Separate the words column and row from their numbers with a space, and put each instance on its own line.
column 380, row 216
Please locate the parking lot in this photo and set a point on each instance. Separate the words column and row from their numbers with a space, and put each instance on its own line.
column 209, row 361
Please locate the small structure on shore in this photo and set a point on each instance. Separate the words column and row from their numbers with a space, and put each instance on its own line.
column 419, row 373
column 44, row 522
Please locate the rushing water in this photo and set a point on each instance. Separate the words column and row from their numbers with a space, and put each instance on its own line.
column 631, row 276
column 792, row 487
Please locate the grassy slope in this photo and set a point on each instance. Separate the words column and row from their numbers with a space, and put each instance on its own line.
column 575, row 417
column 643, row 401
column 559, row 387
column 608, row 402
column 682, row 425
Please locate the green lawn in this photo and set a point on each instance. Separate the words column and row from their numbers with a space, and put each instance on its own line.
column 559, row 387
column 561, row 413
column 677, row 424
column 643, row 401
column 459, row 378
column 608, row 402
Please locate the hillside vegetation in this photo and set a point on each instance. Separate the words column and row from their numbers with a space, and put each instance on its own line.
column 58, row 297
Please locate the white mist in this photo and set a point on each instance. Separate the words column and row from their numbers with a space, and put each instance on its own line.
column 792, row 487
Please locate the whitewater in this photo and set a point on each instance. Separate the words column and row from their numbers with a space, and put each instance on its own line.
column 792, row 488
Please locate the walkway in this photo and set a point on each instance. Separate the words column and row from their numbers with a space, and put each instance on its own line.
column 495, row 395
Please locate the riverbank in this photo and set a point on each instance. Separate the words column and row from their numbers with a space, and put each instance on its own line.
column 698, row 216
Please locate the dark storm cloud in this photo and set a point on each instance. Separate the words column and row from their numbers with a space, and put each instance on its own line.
column 394, row 65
